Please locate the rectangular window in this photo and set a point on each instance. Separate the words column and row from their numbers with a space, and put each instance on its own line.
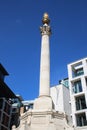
column 81, row 119
column 77, row 86
column 7, row 108
column 77, row 70
column 5, row 120
column 80, row 103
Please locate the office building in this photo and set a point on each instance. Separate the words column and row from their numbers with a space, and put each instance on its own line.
column 77, row 73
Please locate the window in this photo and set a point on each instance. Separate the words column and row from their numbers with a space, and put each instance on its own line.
column 7, row 108
column 77, row 70
column 81, row 119
column 77, row 86
column 5, row 120
column 80, row 103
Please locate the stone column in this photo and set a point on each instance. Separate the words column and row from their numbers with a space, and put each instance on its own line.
column 44, row 89
column 44, row 100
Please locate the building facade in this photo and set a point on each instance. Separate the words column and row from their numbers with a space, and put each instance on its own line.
column 77, row 73
column 5, row 101
column 10, row 104
column 5, row 114
column 61, row 98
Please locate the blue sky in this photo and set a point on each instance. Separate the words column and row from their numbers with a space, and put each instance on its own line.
column 20, row 40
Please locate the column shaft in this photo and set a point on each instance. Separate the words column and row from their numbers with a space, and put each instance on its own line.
column 45, row 67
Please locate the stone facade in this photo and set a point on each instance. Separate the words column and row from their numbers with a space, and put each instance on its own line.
column 43, row 120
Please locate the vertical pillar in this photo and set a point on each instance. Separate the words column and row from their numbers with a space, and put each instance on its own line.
column 44, row 89
column 44, row 100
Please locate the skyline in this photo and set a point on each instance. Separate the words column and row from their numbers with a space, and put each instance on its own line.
column 20, row 40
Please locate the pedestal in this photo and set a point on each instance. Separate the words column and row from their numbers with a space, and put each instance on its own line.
column 43, row 120
column 43, row 102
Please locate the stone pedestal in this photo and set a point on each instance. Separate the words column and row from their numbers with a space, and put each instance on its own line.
column 43, row 120
column 43, row 102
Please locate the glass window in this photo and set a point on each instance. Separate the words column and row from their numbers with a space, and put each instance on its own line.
column 81, row 119
column 80, row 103
column 77, row 69
column 77, row 86
column 78, row 72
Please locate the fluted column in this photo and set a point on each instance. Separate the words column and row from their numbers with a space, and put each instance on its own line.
column 44, row 89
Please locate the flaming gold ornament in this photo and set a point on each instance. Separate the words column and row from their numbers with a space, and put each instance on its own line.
column 46, row 16
column 45, row 19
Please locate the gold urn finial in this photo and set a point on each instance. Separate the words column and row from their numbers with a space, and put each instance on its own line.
column 46, row 15
column 45, row 19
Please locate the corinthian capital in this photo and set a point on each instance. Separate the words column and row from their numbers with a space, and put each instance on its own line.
column 45, row 30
